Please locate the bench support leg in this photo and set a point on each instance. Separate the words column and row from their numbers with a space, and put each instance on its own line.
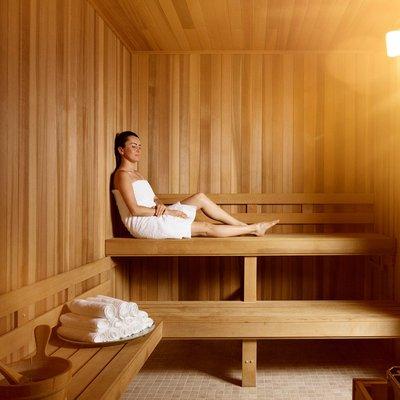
column 249, row 363
column 249, row 347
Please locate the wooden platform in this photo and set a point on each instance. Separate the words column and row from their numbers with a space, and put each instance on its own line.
column 251, row 320
column 324, row 319
column 104, row 372
column 270, row 245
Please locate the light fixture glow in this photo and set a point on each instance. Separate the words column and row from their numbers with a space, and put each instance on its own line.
column 393, row 43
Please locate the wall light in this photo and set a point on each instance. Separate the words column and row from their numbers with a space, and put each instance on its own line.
column 393, row 43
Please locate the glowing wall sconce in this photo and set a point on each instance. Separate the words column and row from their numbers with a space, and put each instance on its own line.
column 393, row 43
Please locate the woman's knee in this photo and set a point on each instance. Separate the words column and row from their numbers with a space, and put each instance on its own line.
column 200, row 197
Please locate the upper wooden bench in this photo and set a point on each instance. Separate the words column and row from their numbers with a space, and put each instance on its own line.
column 312, row 211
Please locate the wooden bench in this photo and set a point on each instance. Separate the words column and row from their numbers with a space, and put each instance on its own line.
column 324, row 224
column 99, row 372
column 104, row 372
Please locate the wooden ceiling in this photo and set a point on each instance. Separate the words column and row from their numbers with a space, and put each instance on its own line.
column 263, row 25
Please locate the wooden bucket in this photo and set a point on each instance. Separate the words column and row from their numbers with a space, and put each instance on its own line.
column 49, row 378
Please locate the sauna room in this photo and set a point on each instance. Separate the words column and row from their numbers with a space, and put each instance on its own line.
column 200, row 199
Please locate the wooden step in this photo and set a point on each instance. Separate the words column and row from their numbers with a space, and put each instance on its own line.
column 270, row 245
column 276, row 319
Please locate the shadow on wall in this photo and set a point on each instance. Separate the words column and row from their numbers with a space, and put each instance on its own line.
column 118, row 227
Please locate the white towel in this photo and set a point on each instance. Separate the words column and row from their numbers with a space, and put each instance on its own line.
column 121, row 327
column 135, row 326
column 147, row 322
column 112, row 334
column 129, row 320
column 81, row 335
column 124, row 308
column 93, row 309
column 121, row 307
column 133, row 307
column 142, row 314
column 98, row 325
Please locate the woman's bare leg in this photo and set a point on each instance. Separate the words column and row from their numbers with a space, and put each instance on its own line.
column 212, row 210
column 214, row 230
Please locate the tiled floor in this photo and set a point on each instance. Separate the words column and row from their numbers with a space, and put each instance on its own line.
column 287, row 370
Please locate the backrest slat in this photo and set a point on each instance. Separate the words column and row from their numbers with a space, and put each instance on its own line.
column 279, row 198
column 302, row 218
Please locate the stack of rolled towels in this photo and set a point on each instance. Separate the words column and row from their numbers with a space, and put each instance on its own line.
column 102, row 319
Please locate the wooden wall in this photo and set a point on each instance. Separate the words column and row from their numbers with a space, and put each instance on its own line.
column 282, row 122
column 385, row 123
column 66, row 85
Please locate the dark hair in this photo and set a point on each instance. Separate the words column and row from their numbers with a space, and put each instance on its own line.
column 120, row 140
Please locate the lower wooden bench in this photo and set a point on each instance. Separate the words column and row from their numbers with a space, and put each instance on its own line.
column 104, row 372
column 300, row 319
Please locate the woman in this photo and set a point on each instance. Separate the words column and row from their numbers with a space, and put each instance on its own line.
column 145, row 216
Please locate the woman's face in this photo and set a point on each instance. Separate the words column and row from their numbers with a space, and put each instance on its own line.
column 132, row 149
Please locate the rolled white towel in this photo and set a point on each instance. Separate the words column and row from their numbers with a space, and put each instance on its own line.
column 147, row 322
column 122, row 328
column 93, row 324
column 135, row 326
column 132, row 307
column 142, row 314
column 112, row 334
column 129, row 320
column 93, row 309
column 121, row 307
column 81, row 335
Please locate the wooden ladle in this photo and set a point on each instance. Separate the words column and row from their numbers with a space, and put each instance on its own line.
column 13, row 377
column 42, row 335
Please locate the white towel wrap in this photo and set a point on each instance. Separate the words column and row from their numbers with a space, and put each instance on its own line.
column 97, row 325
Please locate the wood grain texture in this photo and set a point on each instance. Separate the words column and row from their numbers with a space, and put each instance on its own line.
column 291, row 121
column 325, row 319
column 383, row 106
column 278, row 125
column 258, row 25
column 66, row 89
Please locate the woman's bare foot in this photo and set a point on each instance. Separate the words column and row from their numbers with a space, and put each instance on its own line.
column 262, row 227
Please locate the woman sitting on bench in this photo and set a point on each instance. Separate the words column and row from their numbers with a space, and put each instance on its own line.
column 146, row 217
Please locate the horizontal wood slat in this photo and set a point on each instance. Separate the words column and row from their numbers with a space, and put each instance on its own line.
column 278, row 198
column 277, row 319
column 88, row 372
column 12, row 301
column 270, row 245
column 111, row 382
column 13, row 340
column 302, row 218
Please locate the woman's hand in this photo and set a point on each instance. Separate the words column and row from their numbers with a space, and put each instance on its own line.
column 160, row 209
column 175, row 213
